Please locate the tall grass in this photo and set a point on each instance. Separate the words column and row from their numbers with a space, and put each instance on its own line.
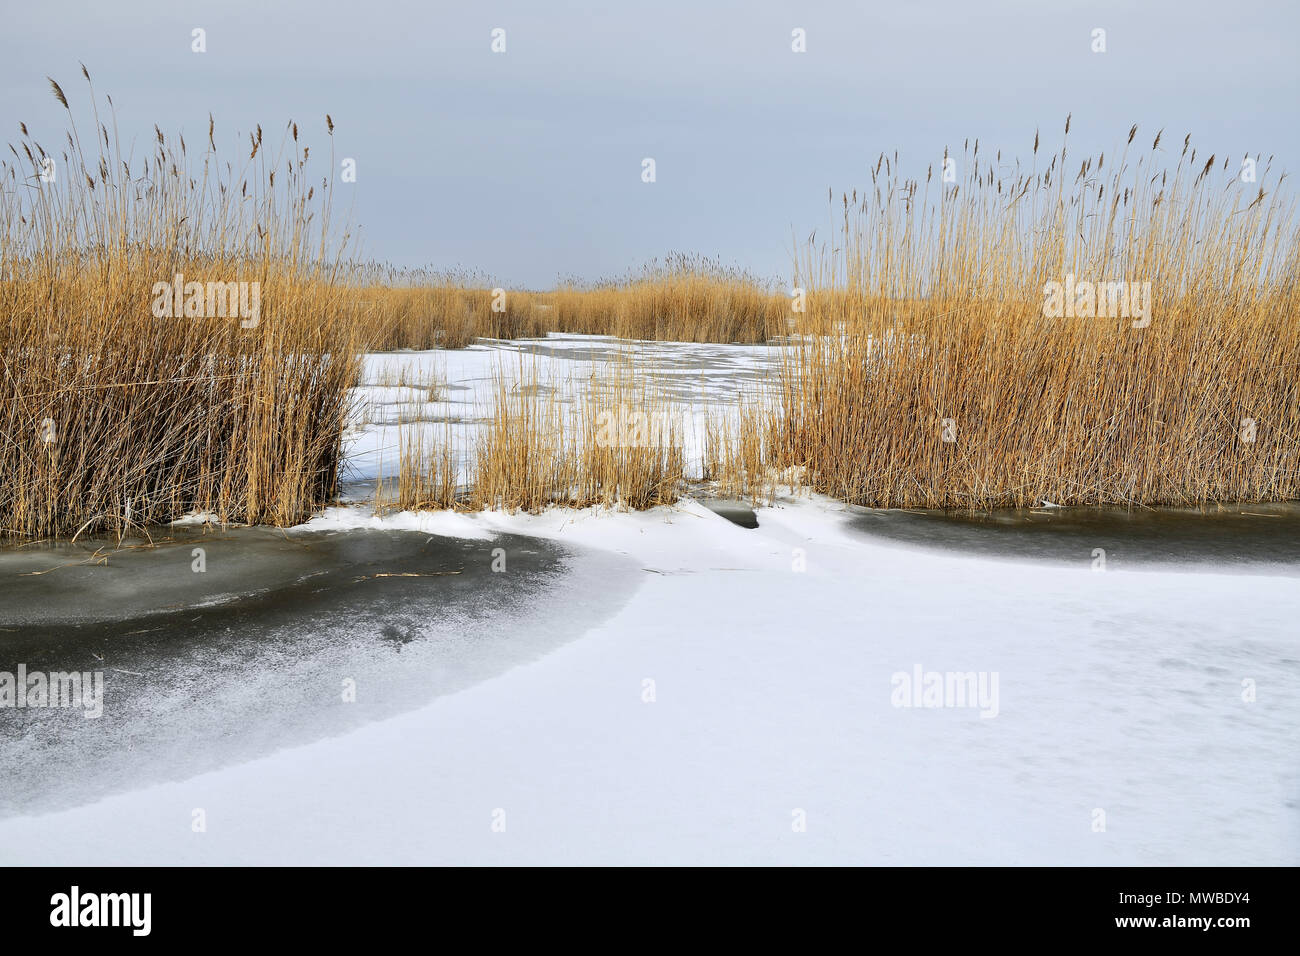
column 538, row 450
column 736, row 457
column 936, row 379
column 421, row 309
column 684, row 298
column 111, row 416
column 927, row 369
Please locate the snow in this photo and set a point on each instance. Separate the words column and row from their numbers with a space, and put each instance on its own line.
column 695, row 380
column 1119, row 691
column 447, row 524
column 772, row 655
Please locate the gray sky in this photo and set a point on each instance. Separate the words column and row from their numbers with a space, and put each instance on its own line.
column 527, row 164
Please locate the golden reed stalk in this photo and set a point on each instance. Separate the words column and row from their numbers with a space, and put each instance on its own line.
column 941, row 375
column 112, row 416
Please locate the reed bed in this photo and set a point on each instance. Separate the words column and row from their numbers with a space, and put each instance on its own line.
column 421, row 309
column 736, row 454
column 683, row 298
column 616, row 445
column 939, row 356
column 113, row 411
column 941, row 372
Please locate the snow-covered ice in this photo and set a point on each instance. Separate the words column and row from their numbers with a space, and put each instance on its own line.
column 713, row 694
column 456, row 392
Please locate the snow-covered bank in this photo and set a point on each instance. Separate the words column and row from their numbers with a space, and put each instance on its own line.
column 741, row 707
column 449, row 396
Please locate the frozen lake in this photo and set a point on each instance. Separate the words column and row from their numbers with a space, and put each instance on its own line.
column 661, row 687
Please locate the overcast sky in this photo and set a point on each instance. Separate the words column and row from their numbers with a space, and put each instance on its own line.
column 527, row 164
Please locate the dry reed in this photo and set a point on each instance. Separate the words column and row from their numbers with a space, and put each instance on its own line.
column 111, row 416
column 617, row 445
column 939, row 377
column 683, row 299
